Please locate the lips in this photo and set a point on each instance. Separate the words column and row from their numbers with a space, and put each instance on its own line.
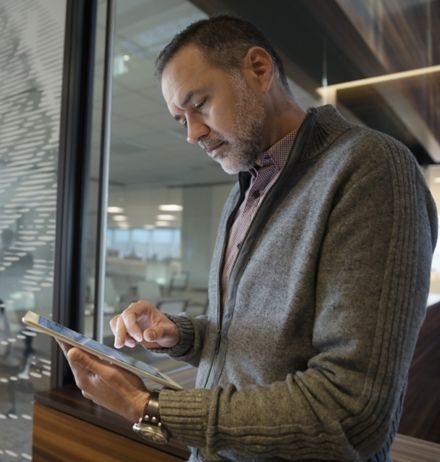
column 210, row 148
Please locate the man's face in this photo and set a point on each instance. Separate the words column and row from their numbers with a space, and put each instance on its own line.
column 221, row 111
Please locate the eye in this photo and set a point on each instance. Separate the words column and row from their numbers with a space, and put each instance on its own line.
column 200, row 104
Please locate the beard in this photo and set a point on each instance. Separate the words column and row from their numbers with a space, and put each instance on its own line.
column 242, row 149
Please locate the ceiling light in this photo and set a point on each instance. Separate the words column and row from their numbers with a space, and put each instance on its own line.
column 148, row 226
column 379, row 79
column 166, row 217
column 126, row 58
column 437, row 179
column 119, row 218
column 162, row 223
column 119, row 65
column 115, row 209
column 170, row 208
column 123, row 225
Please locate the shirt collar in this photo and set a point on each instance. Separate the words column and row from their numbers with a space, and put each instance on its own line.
column 277, row 154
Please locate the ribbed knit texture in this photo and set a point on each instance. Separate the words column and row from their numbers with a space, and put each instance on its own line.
column 324, row 304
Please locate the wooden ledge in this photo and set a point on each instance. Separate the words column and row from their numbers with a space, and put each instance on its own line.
column 79, row 418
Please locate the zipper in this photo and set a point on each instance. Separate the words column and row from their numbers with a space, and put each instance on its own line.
column 217, row 341
column 299, row 140
column 220, row 272
column 220, row 289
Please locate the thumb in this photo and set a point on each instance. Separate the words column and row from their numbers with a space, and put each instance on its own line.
column 81, row 359
column 164, row 334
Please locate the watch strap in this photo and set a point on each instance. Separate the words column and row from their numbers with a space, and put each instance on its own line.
column 151, row 409
column 149, row 425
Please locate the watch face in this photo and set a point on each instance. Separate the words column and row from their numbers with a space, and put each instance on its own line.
column 151, row 432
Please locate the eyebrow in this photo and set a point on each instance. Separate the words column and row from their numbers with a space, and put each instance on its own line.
column 188, row 97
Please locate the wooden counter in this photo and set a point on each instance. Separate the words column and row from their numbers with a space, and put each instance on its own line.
column 69, row 428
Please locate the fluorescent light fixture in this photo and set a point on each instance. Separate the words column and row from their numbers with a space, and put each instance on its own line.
column 115, row 209
column 148, row 226
column 379, row 79
column 170, row 208
column 123, row 225
column 437, row 179
column 163, row 223
column 119, row 218
column 126, row 58
column 166, row 217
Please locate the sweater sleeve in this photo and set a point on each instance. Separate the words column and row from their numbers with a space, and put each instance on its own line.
column 371, row 290
column 191, row 334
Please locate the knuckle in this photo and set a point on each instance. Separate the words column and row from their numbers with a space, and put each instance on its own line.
column 126, row 317
column 80, row 383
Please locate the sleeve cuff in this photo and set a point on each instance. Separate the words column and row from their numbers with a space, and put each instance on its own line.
column 186, row 336
column 185, row 415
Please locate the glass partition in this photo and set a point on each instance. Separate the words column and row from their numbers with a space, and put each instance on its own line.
column 31, row 59
column 165, row 196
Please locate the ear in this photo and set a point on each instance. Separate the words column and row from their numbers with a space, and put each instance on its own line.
column 259, row 66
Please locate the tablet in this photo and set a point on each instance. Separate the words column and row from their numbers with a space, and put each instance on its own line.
column 103, row 352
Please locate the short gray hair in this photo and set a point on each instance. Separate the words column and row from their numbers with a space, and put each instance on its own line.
column 224, row 41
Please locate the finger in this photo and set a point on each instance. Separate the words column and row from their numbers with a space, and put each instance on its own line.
column 86, row 395
column 81, row 360
column 120, row 333
column 81, row 373
column 86, row 366
column 130, row 320
column 113, row 322
column 128, row 341
column 64, row 346
column 165, row 334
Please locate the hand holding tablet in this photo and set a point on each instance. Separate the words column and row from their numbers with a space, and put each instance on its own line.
column 73, row 338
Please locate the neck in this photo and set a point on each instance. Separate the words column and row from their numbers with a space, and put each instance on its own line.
column 283, row 116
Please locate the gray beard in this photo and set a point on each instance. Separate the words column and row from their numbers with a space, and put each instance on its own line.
column 250, row 119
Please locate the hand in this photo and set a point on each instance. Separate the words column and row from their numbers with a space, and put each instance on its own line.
column 143, row 323
column 109, row 386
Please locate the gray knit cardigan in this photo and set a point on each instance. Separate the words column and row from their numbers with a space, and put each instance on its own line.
column 309, row 356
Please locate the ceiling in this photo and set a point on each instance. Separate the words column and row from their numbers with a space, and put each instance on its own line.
column 334, row 41
column 323, row 42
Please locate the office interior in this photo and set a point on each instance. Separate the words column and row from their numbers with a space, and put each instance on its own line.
column 102, row 201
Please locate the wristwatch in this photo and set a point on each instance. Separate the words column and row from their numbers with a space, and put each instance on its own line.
column 149, row 425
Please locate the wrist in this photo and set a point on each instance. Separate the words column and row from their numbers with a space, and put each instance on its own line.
column 141, row 402
column 150, row 425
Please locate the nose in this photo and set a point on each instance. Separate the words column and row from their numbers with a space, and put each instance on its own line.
column 196, row 129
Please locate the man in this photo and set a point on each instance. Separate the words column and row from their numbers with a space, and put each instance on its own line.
column 319, row 276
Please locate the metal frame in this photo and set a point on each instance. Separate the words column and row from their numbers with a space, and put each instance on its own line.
column 104, row 176
column 73, row 173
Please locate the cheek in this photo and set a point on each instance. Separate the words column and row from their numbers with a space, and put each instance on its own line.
column 223, row 120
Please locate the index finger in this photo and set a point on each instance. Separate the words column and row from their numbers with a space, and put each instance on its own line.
column 121, row 336
column 129, row 319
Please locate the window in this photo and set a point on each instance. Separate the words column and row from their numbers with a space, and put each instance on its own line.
column 31, row 60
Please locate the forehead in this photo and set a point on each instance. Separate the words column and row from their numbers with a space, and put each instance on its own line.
column 187, row 71
column 187, row 56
